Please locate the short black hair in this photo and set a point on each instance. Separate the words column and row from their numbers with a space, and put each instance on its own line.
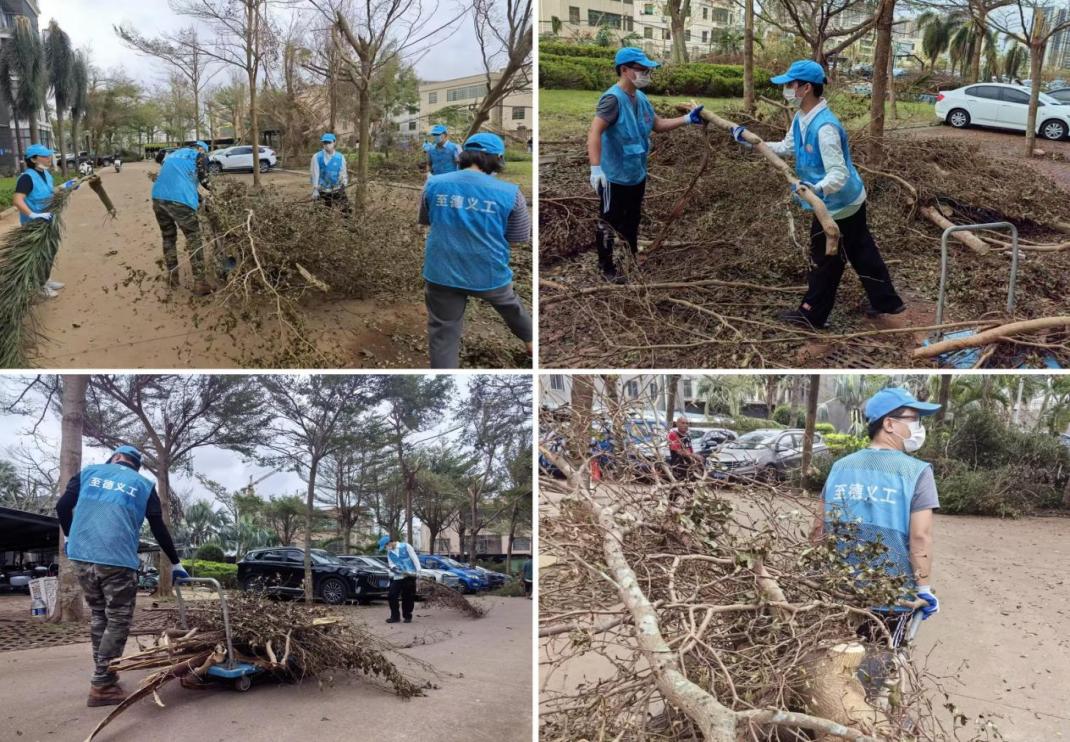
column 485, row 161
column 875, row 427
column 819, row 89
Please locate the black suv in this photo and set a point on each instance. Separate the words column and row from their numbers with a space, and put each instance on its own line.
column 281, row 571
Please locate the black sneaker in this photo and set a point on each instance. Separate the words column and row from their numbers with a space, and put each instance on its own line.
column 393, row 620
column 797, row 318
column 408, row 620
column 870, row 312
column 612, row 275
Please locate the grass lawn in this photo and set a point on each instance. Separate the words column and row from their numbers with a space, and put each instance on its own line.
column 7, row 191
column 519, row 172
column 565, row 114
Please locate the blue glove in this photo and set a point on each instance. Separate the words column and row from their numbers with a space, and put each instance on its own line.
column 178, row 574
column 925, row 593
column 71, row 185
column 811, row 186
column 695, row 115
column 737, row 134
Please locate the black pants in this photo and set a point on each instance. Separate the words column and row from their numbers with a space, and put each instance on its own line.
column 857, row 247
column 405, row 589
column 621, row 210
column 336, row 200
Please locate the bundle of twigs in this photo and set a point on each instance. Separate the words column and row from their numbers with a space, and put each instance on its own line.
column 287, row 640
column 445, row 597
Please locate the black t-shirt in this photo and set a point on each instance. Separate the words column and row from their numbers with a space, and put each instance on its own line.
column 25, row 183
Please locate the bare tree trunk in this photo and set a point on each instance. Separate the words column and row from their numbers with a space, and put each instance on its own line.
column 69, row 598
column 20, row 160
column 1036, row 60
column 59, row 141
column 473, row 502
column 670, row 400
column 163, row 491
column 35, row 131
column 808, row 433
column 943, row 395
column 365, row 108
column 582, row 399
column 891, row 85
column 678, row 10
column 312, row 471
column 980, row 21
column 332, row 79
column 748, row 56
column 880, row 80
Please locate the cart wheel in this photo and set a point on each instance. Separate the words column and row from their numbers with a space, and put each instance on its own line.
column 242, row 683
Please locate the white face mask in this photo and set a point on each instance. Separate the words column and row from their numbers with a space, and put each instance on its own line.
column 329, row 148
column 790, row 97
column 642, row 79
column 916, row 439
column 440, row 138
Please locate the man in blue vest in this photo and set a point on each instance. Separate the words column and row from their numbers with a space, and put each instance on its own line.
column 101, row 513
column 889, row 496
column 175, row 201
column 404, row 565
column 443, row 155
column 818, row 142
column 329, row 176
column 33, row 195
column 617, row 146
column 474, row 217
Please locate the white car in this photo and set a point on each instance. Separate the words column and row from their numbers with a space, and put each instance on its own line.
column 241, row 158
column 442, row 577
column 1003, row 106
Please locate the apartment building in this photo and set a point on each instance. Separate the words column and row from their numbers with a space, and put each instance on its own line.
column 1058, row 55
column 490, row 542
column 515, row 113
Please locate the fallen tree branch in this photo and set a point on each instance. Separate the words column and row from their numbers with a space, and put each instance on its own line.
column 569, row 292
column 678, row 207
column 972, row 241
column 994, row 335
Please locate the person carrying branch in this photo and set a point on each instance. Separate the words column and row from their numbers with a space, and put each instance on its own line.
column 34, row 190
column 175, row 201
column 889, row 496
column 443, row 156
column 404, row 565
column 329, row 176
column 617, row 146
column 101, row 512
column 818, row 142
column 685, row 463
column 473, row 218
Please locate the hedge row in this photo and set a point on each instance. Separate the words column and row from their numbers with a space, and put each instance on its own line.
column 227, row 574
column 561, row 49
column 693, row 78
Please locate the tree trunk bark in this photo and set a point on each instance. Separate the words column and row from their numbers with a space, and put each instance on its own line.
column 365, row 106
column 21, row 161
column 35, row 131
column 474, row 510
column 254, row 129
column 880, row 81
column 748, row 56
column 943, row 395
column 69, row 594
column 163, row 491
column 59, row 142
column 670, row 398
column 196, row 112
column 676, row 22
column 808, row 433
column 980, row 25
column 1036, row 60
column 891, row 83
column 313, row 469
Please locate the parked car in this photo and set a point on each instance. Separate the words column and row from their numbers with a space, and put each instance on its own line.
column 471, row 580
column 495, row 579
column 713, row 439
column 440, row 576
column 766, row 454
column 281, row 571
column 241, row 158
column 1002, row 106
column 376, row 568
column 1061, row 94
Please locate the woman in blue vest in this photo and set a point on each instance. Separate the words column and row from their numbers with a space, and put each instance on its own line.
column 329, row 176
column 101, row 513
column 617, row 146
column 404, row 565
column 443, row 155
column 175, row 201
column 474, row 217
column 882, row 493
column 818, row 142
column 33, row 195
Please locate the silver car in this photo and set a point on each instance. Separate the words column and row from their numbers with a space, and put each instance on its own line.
column 767, row 454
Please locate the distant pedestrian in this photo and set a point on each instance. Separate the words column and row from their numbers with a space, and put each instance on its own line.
column 404, row 565
column 443, row 155
column 528, row 577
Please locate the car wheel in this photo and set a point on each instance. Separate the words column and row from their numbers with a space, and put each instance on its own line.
column 769, row 474
column 958, row 118
column 264, row 166
column 215, row 168
column 252, row 582
column 333, row 591
column 1053, row 130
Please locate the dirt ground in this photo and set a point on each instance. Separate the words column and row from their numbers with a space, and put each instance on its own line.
column 1004, row 608
column 103, row 320
column 484, row 693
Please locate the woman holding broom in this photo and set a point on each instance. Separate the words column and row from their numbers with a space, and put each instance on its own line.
column 33, row 195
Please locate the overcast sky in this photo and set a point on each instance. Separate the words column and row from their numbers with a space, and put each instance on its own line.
column 89, row 24
column 225, row 467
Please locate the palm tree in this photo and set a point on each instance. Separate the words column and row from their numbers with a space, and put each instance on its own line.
column 937, row 30
column 203, row 523
column 1015, row 57
column 728, row 392
column 60, row 60
column 27, row 65
column 79, row 100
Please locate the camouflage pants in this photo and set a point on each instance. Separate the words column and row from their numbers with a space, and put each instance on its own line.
column 172, row 216
column 110, row 593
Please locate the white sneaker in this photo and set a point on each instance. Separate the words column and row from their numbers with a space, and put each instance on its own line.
column 48, row 293
column 54, row 285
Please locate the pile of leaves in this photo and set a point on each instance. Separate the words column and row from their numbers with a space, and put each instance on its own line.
column 445, row 597
column 738, row 253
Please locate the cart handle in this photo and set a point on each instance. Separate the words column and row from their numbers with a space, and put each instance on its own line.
column 210, row 582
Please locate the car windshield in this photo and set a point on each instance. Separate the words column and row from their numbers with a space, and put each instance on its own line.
column 325, row 557
column 451, row 563
column 757, row 439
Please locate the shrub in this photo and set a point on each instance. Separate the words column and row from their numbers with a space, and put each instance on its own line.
column 784, row 414
column 210, row 553
column 823, row 428
column 841, row 444
column 563, row 49
column 511, row 589
column 227, row 574
column 590, row 72
column 1006, row 492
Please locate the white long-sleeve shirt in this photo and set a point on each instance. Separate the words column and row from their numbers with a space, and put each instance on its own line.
column 828, row 139
column 395, row 567
column 316, row 171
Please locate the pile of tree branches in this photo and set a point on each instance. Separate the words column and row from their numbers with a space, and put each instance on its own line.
column 446, row 597
column 288, row 641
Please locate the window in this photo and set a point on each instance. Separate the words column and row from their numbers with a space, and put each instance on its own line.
column 648, row 9
column 705, row 36
column 687, row 35
column 557, row 382
column 705, row 14
column 631, row 390
column 721, row 15
column 627, row 22
column 442, row 545
column 687, row 389
column 522, row 543
column 488, row 544
column 666, row 34
column 468, row 92
column 295, row 557
column 518, row 113
column 988, row 92
column 597, row 18
column 1014, row 96
column 432, row 97
column 573, row 15
column 412, row 126
column 648, row 32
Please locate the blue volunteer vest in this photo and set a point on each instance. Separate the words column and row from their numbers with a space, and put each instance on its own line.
column 108, row 517
column 177, row 180
column 444, row 158
column 873, row 488
column 41, row 196
column 626, row 143
column 466, row 247
column 330, row 171
column 808, row 164
column 401, row 560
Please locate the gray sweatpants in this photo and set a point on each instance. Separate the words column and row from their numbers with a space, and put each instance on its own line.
column 445, row 318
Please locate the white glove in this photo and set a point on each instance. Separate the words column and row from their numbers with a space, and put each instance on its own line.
column 598, row 178
column 46, row 216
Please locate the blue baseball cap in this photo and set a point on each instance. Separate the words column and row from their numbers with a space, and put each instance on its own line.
column 484, row 141
column 438, row 129
column 891, row 399
column 803, row 70
column 634, row 55
column 130, row 452
column 38, row 150
column 383, row 541
column 328, row 137
column 202, row 145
